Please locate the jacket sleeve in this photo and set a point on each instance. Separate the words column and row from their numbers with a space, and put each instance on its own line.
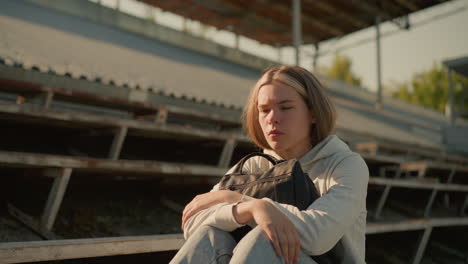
column 330, row 216
column 219, row 215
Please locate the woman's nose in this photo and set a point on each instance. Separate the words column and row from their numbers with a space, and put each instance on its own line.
column 273, row 117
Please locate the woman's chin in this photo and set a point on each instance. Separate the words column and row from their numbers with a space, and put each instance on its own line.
column 276, row 146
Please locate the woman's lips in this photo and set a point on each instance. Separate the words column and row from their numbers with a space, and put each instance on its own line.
column 275, row 133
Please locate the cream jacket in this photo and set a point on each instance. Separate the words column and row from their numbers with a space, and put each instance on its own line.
column 340, row 176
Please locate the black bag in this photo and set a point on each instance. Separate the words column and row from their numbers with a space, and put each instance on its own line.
column 284, row 183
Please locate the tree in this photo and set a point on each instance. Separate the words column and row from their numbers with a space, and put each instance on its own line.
column 430, row 89
column 341, row 69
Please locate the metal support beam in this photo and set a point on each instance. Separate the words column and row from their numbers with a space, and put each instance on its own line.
column 385, row 193
column 449, row 112
column 55, row 198
column 48, row 97
column 463, row 206
column 296, row 30
column 427, row 210
column 316, row 55
column 227, row 152
column 382, row 201
column 378, row 103
column 422, row 245
column 279, row 54
column 117, row 143
column 31, row 223
column 150, row 13
column 449, row 180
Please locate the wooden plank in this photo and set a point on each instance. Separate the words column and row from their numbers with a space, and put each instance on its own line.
column 414, row 224
column 55, row 198
column 379, row 158
column 415, row 165
column 86, row 98
column 141, row 167
column 417, row 184
column 117, row 143
column 18, row 252
column 369, row 148
column 71, row 118
column 427, row 152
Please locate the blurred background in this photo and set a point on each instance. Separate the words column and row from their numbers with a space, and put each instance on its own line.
column 114, row 114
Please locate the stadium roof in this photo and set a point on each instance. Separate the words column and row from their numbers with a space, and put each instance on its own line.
column 460, row 65
column 269, row 21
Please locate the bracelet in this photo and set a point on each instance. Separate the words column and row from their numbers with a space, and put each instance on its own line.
column 240, row 201
column 242, row 198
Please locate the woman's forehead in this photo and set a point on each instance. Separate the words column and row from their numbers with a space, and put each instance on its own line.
column 276, row 93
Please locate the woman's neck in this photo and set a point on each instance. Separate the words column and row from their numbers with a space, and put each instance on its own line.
column 295, row 153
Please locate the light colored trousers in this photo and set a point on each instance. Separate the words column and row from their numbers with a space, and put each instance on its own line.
column 211, row 245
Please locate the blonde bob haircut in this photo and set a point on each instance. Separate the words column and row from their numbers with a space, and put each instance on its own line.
column 311, row 91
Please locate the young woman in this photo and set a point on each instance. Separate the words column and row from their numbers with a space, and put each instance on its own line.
column 289, row 116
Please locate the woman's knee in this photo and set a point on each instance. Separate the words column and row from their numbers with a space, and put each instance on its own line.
column 206, row 245
column 255, row 236
column 255, row 247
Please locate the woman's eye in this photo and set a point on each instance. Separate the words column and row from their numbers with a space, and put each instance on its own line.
column 286, row 107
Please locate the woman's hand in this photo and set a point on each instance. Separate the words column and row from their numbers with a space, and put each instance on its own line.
column 277, row 226
column 203, row 201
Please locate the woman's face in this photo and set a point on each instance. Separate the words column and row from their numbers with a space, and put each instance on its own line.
column 285, row 120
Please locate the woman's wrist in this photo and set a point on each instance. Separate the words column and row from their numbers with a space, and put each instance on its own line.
column 242, row 212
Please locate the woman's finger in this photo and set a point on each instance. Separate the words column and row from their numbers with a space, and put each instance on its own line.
column 293, row 245
column 285, row 244
column 274, row 240
column 188, row 212
column 187, row 207
column 297, row 251
column 299, row 245
column 284, row 248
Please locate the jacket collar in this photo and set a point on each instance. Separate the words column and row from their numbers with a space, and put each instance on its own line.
column 325, row 148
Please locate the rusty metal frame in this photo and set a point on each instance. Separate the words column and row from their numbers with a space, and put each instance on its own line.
column 226, row 154
column 117, row 143
column 383, row 197
column 423, row 240
column 54, row 200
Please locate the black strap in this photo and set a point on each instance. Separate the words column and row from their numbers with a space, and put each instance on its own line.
column 270, row 158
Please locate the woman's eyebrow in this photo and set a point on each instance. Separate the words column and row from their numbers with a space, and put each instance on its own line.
column 285, row 101
column 280, row 102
